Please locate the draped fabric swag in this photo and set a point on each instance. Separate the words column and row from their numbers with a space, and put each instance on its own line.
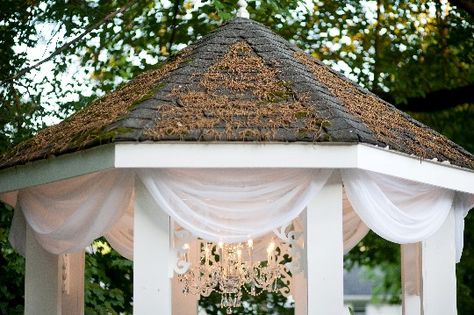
column 229, row 205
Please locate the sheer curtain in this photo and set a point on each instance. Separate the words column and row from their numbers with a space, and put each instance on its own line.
column 228, row 205
column 67, row 216
column 233, row 205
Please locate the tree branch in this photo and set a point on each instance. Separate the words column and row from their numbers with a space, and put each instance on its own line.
column 466, row 5
column 173, row 24
column 437, row 100
column 72, row 42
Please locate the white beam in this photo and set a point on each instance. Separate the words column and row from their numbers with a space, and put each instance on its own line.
column 42, row 279
column 237, row 155
column 401, row 165
column 230, row 155
column 293, row 155
column 439, row 271
column 411, row 278
column 59, row 168
column 325, row 250
column 151, row 257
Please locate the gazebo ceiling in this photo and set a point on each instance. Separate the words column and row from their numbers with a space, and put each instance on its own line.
column 241, row 82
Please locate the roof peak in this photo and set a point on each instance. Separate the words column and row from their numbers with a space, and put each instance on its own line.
column 241, row 82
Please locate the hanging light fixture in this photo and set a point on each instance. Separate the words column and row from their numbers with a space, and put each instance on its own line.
column 232, row 269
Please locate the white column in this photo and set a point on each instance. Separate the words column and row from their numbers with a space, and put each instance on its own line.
column 42, row 279
column 72, row 298
column 324, row 246
column 299, row 292
column 439, row 271
column 186, row 304
column 411, row 278
column 299, row 288
column 151, row 266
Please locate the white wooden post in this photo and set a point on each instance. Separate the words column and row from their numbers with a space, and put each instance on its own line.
column 186, row 304
column 151, row 265
column 324, row 246
column 439, row 271
column 72, row 278
column 54, row 284
column 299, row 292
column 411, row 278
column 42, row 279
column 299, row 288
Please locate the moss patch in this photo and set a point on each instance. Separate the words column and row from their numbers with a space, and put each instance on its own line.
column 240, row 97
column 390, row 126
column 88, row 125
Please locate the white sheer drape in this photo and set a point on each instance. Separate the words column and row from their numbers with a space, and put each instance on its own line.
column 462, row 204
column 403, row 211
column 67, row 216
column 354, row 228
column 120, row 236
column 233, row 205
column 229, row 205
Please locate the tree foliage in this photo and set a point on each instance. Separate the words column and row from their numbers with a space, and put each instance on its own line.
column 405, row 51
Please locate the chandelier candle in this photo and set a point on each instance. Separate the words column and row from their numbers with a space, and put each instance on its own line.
column 231, row 269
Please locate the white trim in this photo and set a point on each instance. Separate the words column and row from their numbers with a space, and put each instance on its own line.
column 413, row 168
column 57, row 168
column 237, row 155
column 293, row 155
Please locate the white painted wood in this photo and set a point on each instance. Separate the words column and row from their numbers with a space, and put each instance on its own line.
column 325, row 250
column 42, row 279
column 72, row 284
column 439, row 271
column 223, row 155
column 235, row 155
column 186, row 304
column 408, row 167
column 299, row 288
column 54, row 169
column 411, row 278
column 294, row 155
column 152, row 260
column 299, row 291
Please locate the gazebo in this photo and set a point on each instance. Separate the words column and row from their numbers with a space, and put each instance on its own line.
column 237, row 135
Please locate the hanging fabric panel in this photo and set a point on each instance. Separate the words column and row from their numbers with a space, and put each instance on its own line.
column 233, row 205
column 229, row 205
column 67, row 216
column 354, row 228
column 399, row 210
column 462, row 204
column 120, row 236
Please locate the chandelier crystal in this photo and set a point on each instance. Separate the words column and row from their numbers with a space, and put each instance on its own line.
column 232, row 269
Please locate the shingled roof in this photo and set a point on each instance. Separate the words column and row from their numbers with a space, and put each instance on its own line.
column 241, row 82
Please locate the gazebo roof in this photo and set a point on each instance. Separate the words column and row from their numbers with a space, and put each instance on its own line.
column 241, row 82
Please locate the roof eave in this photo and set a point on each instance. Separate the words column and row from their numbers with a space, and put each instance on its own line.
column 237, row 155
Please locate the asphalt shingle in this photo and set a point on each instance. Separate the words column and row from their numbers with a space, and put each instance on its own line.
column 241, row 82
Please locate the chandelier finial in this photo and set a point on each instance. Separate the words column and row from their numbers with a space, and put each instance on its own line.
column 242, row 11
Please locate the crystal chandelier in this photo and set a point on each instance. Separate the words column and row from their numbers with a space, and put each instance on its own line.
column 232, row 269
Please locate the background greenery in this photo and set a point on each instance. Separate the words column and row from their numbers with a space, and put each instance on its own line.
column 416, row 54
